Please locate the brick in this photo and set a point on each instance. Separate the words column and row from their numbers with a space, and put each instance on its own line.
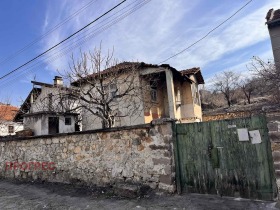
column 273, row 118
column 165, row 129
column 167, row 139
column 277, row 166
column 136, row 141
column 164, row 161
column 168, row 169
column 276, row 156
column 152, row 132
column 272, row 126
column 275, row 136
column 167, row 179
column 277, row 174
column 160, row 147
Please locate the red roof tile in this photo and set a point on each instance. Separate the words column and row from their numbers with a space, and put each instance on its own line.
column 8, row 112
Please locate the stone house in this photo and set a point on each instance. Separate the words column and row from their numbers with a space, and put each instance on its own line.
column 273, row 24
column 175, row 95
column 43, row 112
column 7, row 125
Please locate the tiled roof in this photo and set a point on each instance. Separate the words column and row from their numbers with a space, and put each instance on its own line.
column 7, row 112
column 196, row 71
column 128, row 65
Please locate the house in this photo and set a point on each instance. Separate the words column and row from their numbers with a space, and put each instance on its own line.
column 43, row 111
column 169, row 93
column 7, row 126
column 174, row 95
column 273, row 24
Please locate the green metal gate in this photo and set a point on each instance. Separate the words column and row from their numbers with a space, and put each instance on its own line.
column 211, row 159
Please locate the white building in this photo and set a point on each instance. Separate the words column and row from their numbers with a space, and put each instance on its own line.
column 42, row 111
column 7, row 126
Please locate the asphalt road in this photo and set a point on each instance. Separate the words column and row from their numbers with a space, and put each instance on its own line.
column 45, row 196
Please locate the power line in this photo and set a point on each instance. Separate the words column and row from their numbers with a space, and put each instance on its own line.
column 63, row 40
column 82, row 40
column 86, row 37
column 206, row 34
column 47, row 33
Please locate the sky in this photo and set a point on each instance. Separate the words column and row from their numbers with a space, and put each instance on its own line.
column 151, row 33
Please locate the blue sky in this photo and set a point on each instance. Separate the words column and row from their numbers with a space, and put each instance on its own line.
column 156, row 31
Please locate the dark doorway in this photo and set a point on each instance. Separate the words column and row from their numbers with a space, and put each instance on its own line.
column 53, row 125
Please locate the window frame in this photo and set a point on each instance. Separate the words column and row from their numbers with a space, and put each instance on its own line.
column 66, row 122
column 11, row 128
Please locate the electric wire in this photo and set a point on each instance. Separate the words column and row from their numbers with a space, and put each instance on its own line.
column 199, row 40
column 72, row 35
column 82, row 41
column 36, row 40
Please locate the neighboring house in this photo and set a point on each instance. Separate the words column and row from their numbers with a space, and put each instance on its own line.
column 7, row 126
column 175, row 95
column 273, row 24
column 43, row 111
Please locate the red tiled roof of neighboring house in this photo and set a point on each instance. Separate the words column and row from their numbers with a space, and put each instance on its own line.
column 7, row 112
column 194, row 71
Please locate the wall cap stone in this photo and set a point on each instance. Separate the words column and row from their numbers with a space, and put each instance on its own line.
column 162, row 121
column 15, row 138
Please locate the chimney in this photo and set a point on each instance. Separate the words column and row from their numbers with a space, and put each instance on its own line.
column 58, row 81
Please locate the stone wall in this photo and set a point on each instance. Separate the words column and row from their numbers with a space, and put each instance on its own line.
column 223, row 116
column 274, row 134
column 140, row 154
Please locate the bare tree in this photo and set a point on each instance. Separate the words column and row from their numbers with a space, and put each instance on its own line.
column 248, row 87
column 226, row 83
column 105, row 89
column 269, row 76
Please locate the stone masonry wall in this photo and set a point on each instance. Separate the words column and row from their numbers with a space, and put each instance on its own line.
column 141, row 155
column 274, row 134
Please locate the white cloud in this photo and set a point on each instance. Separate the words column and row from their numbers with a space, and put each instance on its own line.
column 162, row 28
column 137, row 37
column 237, row 34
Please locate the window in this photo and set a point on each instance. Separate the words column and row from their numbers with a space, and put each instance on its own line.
column 153, row 86
column 178, row 96
column 113, row 90
column 50, row 95
column 195, row 94
column 68, row 121
column 154, row 95
column 11, row 129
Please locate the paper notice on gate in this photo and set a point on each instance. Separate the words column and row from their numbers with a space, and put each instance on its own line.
column 255, row 137
column 243, row 134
